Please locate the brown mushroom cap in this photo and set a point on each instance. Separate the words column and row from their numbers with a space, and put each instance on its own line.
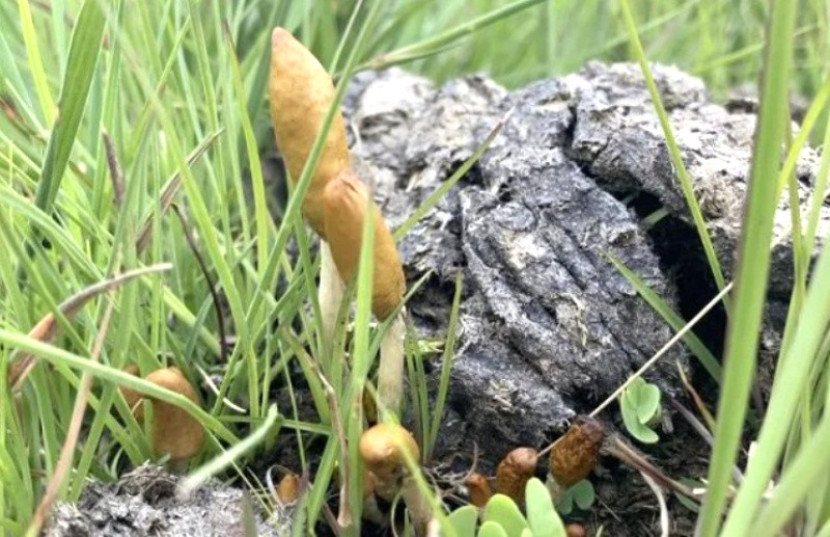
column 575, row 453
column 175, row 432
column 515, row 470
column 346, row 200
column 478, row 488
column 288, row 489
column 301, row 92
column 382, row 448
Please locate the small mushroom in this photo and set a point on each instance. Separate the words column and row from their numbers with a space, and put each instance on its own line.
column 514, row 471
column 347, row 202
column 575, row 529
column 575, row 453
column 288, row 489
column 478, row 489
column 174, row 431
column 382, row 450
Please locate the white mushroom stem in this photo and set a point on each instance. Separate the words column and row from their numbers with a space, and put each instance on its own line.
column 390, row 370
column 330, row 294
column 419, row 509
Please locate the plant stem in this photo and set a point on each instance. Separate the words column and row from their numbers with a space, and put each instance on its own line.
column 390, row 370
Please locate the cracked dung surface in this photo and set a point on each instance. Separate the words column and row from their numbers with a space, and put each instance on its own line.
column 144, row 504
column 549, row 328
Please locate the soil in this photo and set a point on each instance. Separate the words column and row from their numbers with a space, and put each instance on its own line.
column 549, row 327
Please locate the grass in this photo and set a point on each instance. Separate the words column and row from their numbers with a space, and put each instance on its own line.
column 179, row 87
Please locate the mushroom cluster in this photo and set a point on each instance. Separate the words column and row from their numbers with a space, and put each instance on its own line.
column 336, row 202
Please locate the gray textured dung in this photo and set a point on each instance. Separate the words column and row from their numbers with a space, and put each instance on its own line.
column 549, row 327
column 144, row 504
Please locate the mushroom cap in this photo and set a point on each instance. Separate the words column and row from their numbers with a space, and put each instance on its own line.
column 382, row 448
column 288, row 489
column 301, row 92
column 575, row 453
column 174, row 431
column 478, row 489
column 346, row 201
column 515, row 470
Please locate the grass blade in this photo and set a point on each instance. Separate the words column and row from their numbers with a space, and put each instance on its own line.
column 674, row 152
column 698, row 348
column 80, row 68
column 753, row 268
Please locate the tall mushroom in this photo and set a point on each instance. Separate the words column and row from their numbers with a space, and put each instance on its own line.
column 347, row 202
column 336, row 202
column 301, row 92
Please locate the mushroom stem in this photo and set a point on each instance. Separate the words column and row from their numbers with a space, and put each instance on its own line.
column 330, row 293
column 390, row 369
column 418, row 506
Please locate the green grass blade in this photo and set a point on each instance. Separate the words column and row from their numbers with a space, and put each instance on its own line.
column 447, row 185
column 446, row 368
column 796, row 364
column 698, row 348
column 47, row 105
column 429, row 45
column 674, row 152
column 80, row 68
column 752, row 270
column 229, row 457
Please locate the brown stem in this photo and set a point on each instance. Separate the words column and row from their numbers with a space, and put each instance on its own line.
column 220, row 316
column 619, row 448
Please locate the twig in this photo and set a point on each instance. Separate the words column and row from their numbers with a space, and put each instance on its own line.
column 170, row 190
column 617, row 447
column 677, row 337
column 68, row 449
column 46, row 329
column 220, row 316
column 661, row 501
column 114, row 165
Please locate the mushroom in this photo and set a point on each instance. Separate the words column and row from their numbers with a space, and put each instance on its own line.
column 514, row 471
column 347, row 202
column 174, row 432
column 288, row 490
column 383, row 450
column 575, row 453
column 301, row 92
column 478, row 489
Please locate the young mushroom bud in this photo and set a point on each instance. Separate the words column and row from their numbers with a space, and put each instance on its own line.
column 478, row 489
column 384, row 449
column 575, row 453
column 288, row 489
column 301, row 92
column 514, row 471
column 174, row 431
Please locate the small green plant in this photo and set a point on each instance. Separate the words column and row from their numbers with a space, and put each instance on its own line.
column 503, row 518
column 582, row 495
column 640, row 406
